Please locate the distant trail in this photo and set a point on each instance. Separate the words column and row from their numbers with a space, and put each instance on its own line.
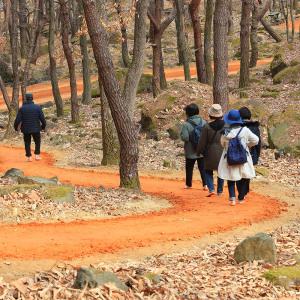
column 192, row 216
column 42, row 92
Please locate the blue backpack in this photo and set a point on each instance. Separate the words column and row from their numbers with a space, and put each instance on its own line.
column 196, row 133
column 236, row 153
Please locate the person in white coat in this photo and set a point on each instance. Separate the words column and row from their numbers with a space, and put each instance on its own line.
column 236, row 174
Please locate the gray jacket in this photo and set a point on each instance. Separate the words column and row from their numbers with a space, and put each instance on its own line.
column 186, row 130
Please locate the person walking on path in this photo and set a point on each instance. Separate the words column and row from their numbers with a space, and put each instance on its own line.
column 31, row 121
column 210, row 147
column 254, row 127
column 191, row 130
column 236, row 173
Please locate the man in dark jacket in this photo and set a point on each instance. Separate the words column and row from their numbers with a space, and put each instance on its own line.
column 254, row 127
column 31, row 121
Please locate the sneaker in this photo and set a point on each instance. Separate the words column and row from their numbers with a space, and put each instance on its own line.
column 219, row 194
column 210, row 194
column 205, row 188
column 232, row 201
column 37, row 157
column 29, row 159
column 187, row 187
column 241, row 201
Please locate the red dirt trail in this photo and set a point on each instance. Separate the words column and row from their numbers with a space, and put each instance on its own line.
column 192, row 216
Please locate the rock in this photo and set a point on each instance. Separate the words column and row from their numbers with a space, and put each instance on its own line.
column 284, row 131
column 258, row 247
column 288, row 75
column 37, row 180
column 2, row 126
column 152, row 135
column 174, row 132
column 93, row 278
column 277, row 64
column 59, row 194
column 47, row 104
column 13, row 173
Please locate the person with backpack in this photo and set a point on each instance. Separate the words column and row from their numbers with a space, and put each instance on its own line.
column 254, row 127
column 190, row 134
column 31, row 121
column 236, row 165
column 210, row 147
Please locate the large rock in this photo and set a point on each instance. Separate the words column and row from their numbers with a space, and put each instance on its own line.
column 278, row 64
column 288, row 75
column 37, row 180
column 13, row 173
column 258, row 247
column 284, row 131
column 93, row 278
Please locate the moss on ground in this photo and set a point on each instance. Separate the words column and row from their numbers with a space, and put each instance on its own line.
column 18, row 188
column 291, row 272
column 58, row 193
column 270, row 94
column 288, row 75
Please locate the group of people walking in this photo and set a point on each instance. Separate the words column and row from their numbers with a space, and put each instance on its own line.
column 229, row 144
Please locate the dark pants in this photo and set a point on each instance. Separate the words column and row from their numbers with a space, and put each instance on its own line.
column 27, row 141
column 209, row 175
column 189, row 168
column 242, row 187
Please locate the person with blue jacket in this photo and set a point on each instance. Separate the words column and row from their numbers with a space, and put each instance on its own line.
column 31, row 121
column 191, row 156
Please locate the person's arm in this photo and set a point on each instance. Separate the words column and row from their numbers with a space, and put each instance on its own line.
column 42, row 119
column 258, row 147
column 203, row 141
column 252, row 139
column 184, row 134
column 18, row 120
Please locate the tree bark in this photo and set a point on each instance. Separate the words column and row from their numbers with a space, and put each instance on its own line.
column 87, row 86
column 110, row 143
column 253, row 37
column 127, row 132
column 125, row 53
column 199, row 55
column 244, row 42
column 271, row 31
column 23, row 28
column 292, row 18
column 230, row 20
column 32, row 45
column 159, row 27
column 163, row 79
column 220, row 86
column 65, row 29
column 14, row 104
column 285, row 11
column 209, row 12
column 53, row 71
column 182, row 42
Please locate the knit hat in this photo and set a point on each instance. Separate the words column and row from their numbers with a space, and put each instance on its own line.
column 215, row 111
column 233, row 117
column 28, row 97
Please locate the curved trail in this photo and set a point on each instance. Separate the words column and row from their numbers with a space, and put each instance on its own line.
column 192, row 216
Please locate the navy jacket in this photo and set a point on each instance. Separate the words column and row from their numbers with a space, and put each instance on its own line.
column 31, row 118
column 255, row 151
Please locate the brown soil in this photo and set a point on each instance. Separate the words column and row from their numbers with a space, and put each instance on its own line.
column 192, row 216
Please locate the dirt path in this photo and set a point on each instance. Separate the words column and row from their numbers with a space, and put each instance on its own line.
column 192, row 216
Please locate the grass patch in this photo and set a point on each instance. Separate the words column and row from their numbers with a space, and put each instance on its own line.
column 58, row 193
column 288, row 75
column 270, row 94
column 291, row 273
column 20, row 188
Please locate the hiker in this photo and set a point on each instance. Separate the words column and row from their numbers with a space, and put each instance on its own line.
column 254, row 127
column 210, row 147
column 31, row 121
column 236, row 164
column 190, row 134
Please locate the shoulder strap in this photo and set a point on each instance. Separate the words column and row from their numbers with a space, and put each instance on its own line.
column 239, row 132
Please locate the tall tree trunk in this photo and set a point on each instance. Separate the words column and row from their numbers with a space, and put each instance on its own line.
column 220, row 87
column 29, row 54
column 209, row 12
column 271, row 31
column 14, row 104
column 119, row 105
column 65, row 29
column 253, row 37
column 182, row 42
column 110, row 143
column 292, row 18
column 296, row 4
column 23, row 28
column 285, row 11
column 245, row 46
column 87, row 86
column 162, row 74
column 53, row 72
column 159, row 27
column 125, row 53
column 199, row 55
column 230, row 18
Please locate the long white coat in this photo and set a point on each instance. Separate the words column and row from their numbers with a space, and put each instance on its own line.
column 235, row 173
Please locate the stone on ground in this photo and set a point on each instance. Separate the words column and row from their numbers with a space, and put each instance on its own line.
column 38, row 180
column 258, row 247
column 278, row 64
column 13, row 173
column 93, row 278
